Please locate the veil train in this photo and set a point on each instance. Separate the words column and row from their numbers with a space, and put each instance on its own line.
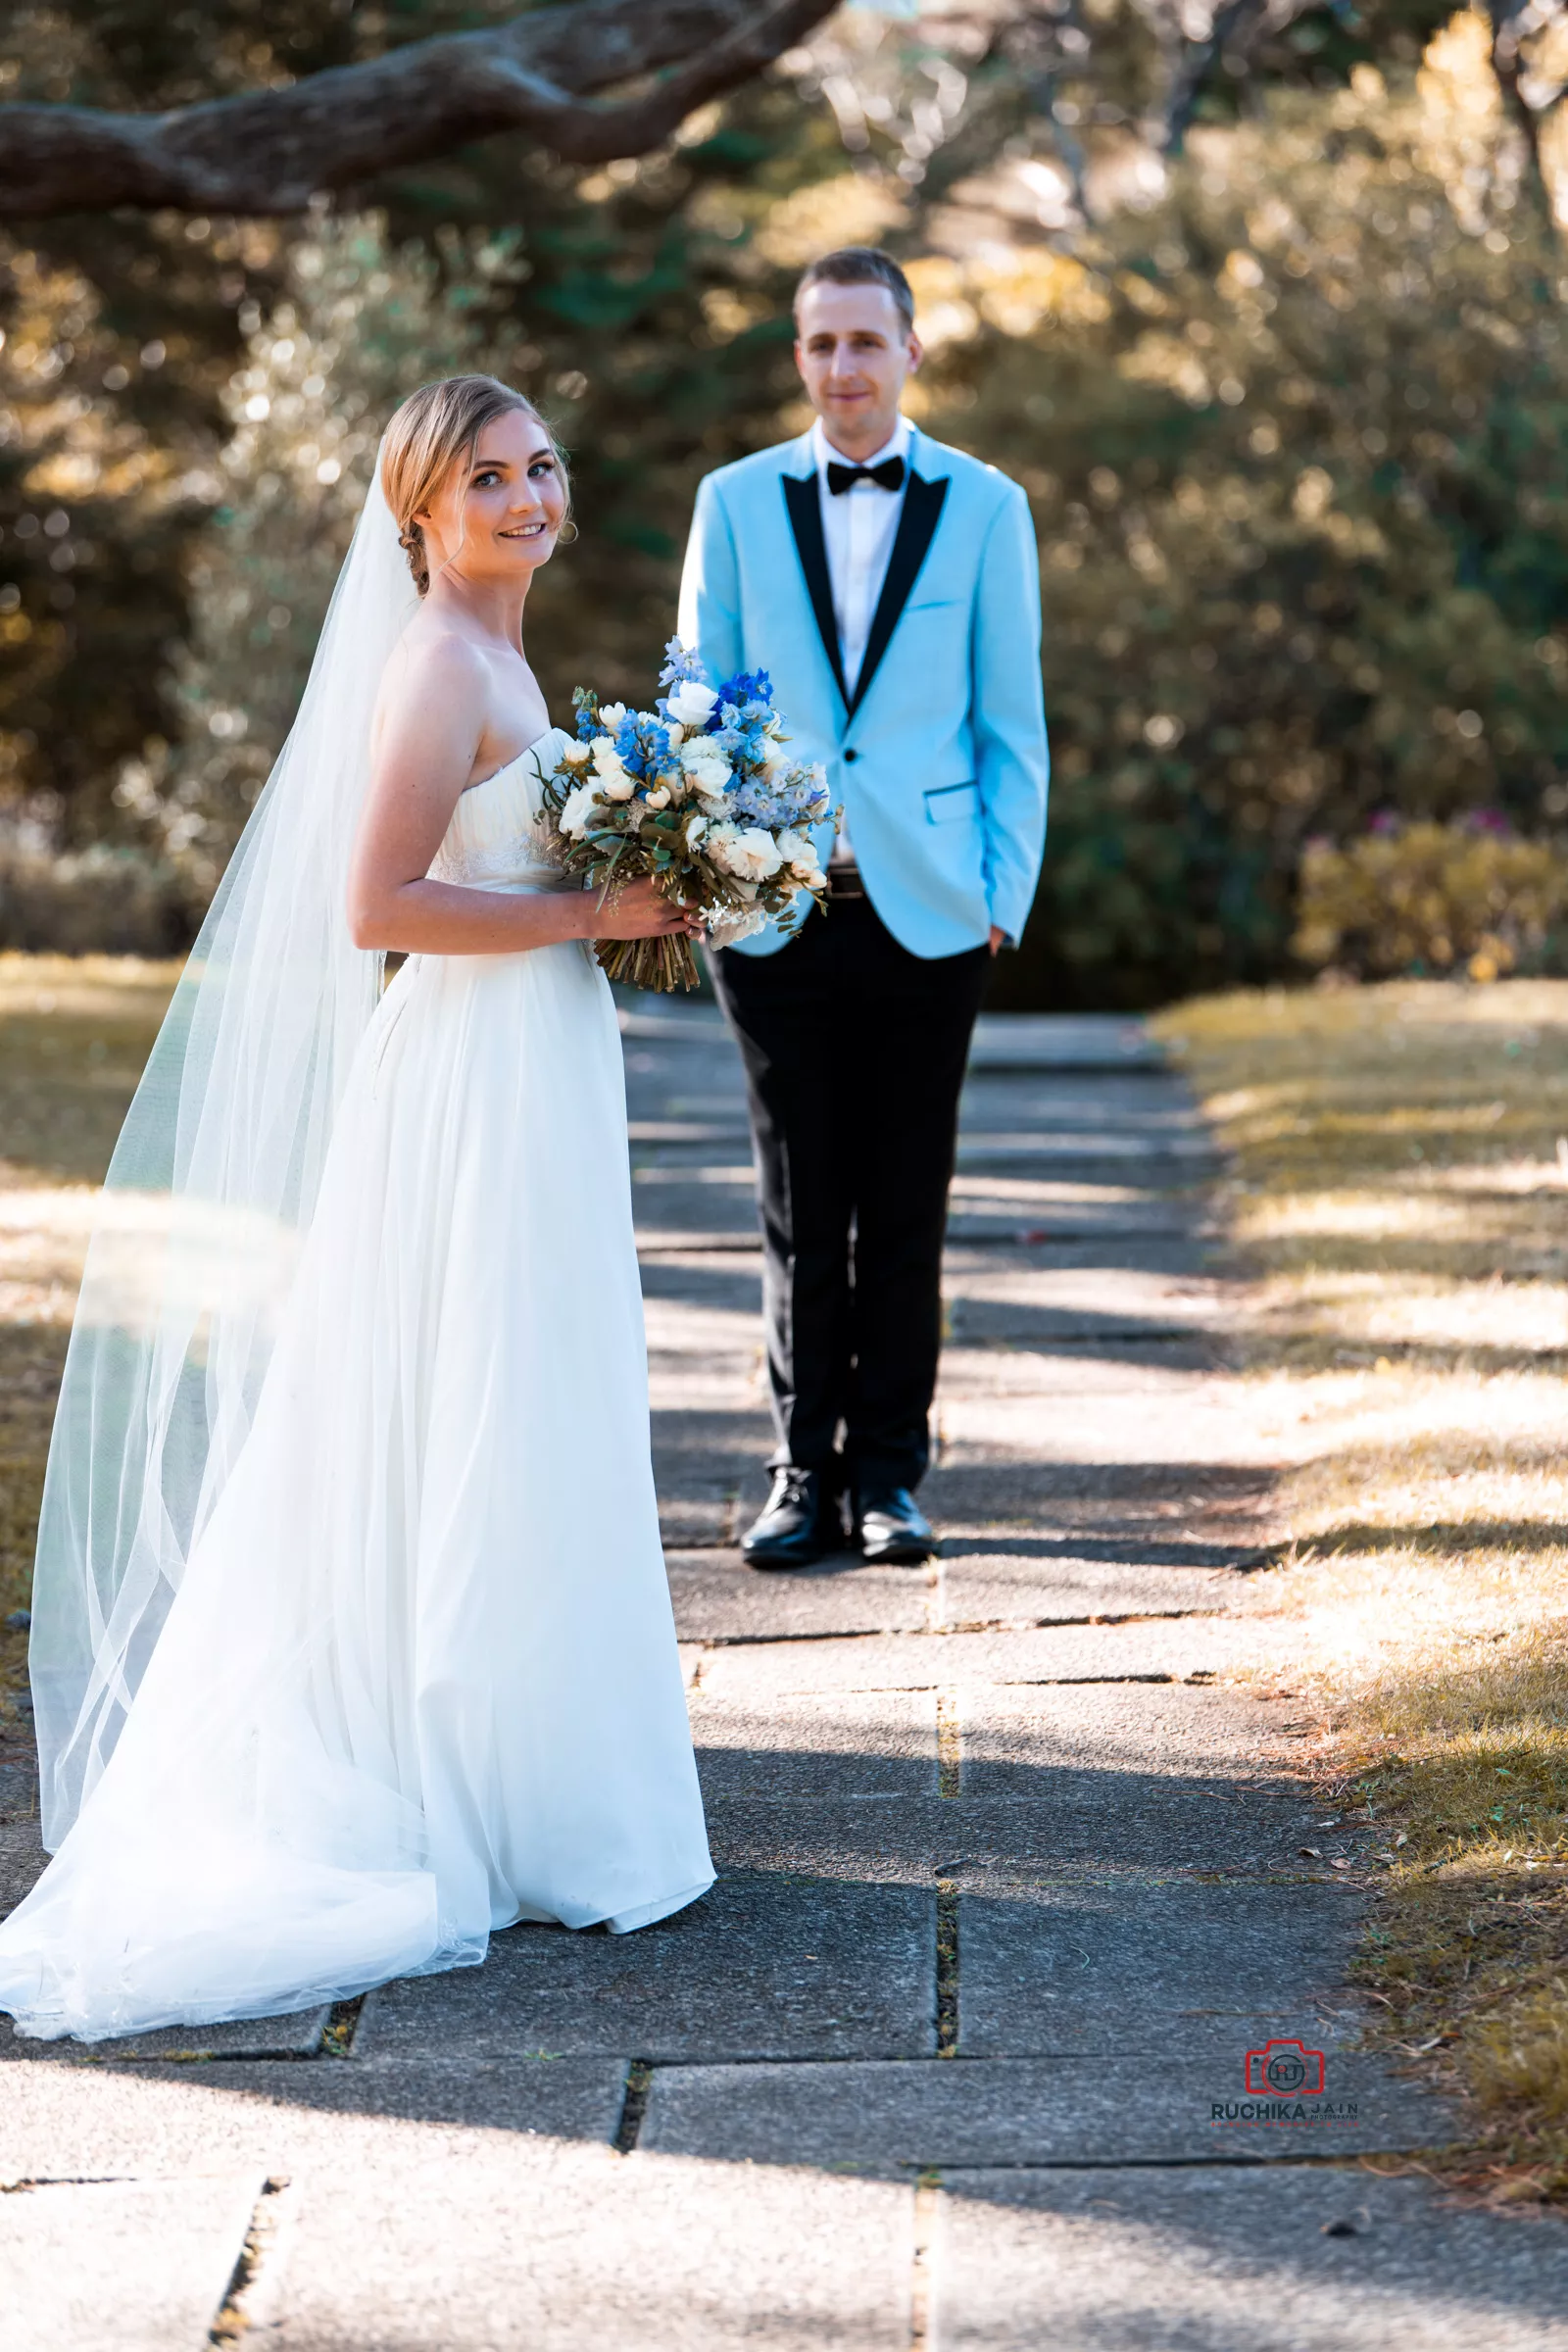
column 214, row 1174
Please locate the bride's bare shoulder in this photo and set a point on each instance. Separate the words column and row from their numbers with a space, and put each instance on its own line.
column 435, row 655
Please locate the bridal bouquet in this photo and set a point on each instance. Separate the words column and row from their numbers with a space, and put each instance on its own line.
column 700, row 794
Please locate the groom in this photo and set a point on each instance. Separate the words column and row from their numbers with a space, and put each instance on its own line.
column 890, row 588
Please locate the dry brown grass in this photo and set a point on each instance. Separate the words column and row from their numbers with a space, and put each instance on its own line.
column 73, row 1035
column 1399, row 1187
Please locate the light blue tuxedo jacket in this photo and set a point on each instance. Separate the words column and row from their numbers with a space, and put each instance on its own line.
column 940, row 757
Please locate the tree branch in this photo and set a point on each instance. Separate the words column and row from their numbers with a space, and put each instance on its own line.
column 272, row 151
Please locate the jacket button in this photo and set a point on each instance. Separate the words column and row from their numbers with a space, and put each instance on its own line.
column 850, row 756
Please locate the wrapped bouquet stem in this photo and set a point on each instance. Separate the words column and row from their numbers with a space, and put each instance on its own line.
column 701, row 797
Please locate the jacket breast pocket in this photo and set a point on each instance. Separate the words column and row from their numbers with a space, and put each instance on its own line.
column 947, row 804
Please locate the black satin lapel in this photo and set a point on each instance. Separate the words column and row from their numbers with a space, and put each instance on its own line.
column 923, row 510
column 804, row 500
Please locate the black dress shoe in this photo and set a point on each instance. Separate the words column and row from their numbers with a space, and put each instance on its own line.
column 797, row 1525
column 891, row 1527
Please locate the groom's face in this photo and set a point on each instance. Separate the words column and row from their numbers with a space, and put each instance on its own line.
column 854, row 353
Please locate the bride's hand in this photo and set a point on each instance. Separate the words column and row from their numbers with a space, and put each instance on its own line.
column 637, row 910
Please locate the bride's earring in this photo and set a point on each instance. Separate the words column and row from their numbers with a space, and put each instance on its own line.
column 567, row 533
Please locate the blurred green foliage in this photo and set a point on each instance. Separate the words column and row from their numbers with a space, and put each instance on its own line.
column 1297, row 444
column 633, row 304
column 1429, row 901
column 1294, row 432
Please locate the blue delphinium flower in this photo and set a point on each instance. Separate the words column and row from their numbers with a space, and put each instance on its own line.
column 628, row 745
column 748, row 686
column 681, row 662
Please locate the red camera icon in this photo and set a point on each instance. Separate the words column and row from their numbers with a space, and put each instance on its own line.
column 1285, row 2070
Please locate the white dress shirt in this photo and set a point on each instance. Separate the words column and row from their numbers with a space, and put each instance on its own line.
column 858, row 527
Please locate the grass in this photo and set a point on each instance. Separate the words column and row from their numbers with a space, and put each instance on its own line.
column 73, row 1035
column 1400, row 1188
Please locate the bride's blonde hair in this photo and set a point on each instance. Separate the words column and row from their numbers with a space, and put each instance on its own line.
column 436, row 429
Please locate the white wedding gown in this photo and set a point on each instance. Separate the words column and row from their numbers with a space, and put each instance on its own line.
column 419, row 1680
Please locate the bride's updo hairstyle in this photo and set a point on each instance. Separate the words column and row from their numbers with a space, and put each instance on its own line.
column 436, row 429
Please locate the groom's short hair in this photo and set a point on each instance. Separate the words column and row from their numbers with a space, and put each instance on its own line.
column 860, row 266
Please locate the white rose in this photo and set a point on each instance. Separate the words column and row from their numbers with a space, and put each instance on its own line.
column 576, row 811
column 658, row 799
column 611, row 714
column 691, row 703
column 576, row 755
column 772, row 756
column 799, row 854
column 724, row 929
column 702, row 760
column 673, row 730
column 613, row 782
column 750, row 855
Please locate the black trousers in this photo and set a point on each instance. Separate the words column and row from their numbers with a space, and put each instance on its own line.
column 854, row 1052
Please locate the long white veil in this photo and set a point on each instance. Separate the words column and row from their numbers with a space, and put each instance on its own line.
column 213, row 1179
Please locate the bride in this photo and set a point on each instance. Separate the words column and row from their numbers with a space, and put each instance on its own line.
column 351, row 1634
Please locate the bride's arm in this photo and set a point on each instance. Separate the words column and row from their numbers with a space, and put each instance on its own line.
column 427, row 739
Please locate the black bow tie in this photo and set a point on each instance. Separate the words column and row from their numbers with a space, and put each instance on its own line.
column 889, row 476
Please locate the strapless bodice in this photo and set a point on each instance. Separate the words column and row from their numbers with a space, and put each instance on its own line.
column 497, row 838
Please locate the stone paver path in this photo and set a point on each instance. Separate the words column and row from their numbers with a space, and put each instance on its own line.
column 956, row 2052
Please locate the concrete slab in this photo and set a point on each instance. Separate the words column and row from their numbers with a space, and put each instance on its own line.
column 1215, row 1742
column 1196, row 1254
column 703, row 1282
column 1163, row 1968
column 1026, row 1306
column 293, row 2036
column 1153, row 1650
column 151, row 2119
column 1292, row 2259
column 1024, row 1580
column 1068, row 1389
column 1124, row 2109
column 560, row 2098
column 21, row 1860
column 1027, row 1207
column 1107, row 1433
column 447, row 2223
column 1107, row 1157
column 141, row 2266
column 850, row 1744
column 704, row 1463
column 782, row 1965
column 1074, row 1823
column 1145, row 1105
column 718, row 1598
column 1062, row 1041
column 578, row 2247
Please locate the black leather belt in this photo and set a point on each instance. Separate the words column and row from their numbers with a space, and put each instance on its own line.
column 844, row 882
